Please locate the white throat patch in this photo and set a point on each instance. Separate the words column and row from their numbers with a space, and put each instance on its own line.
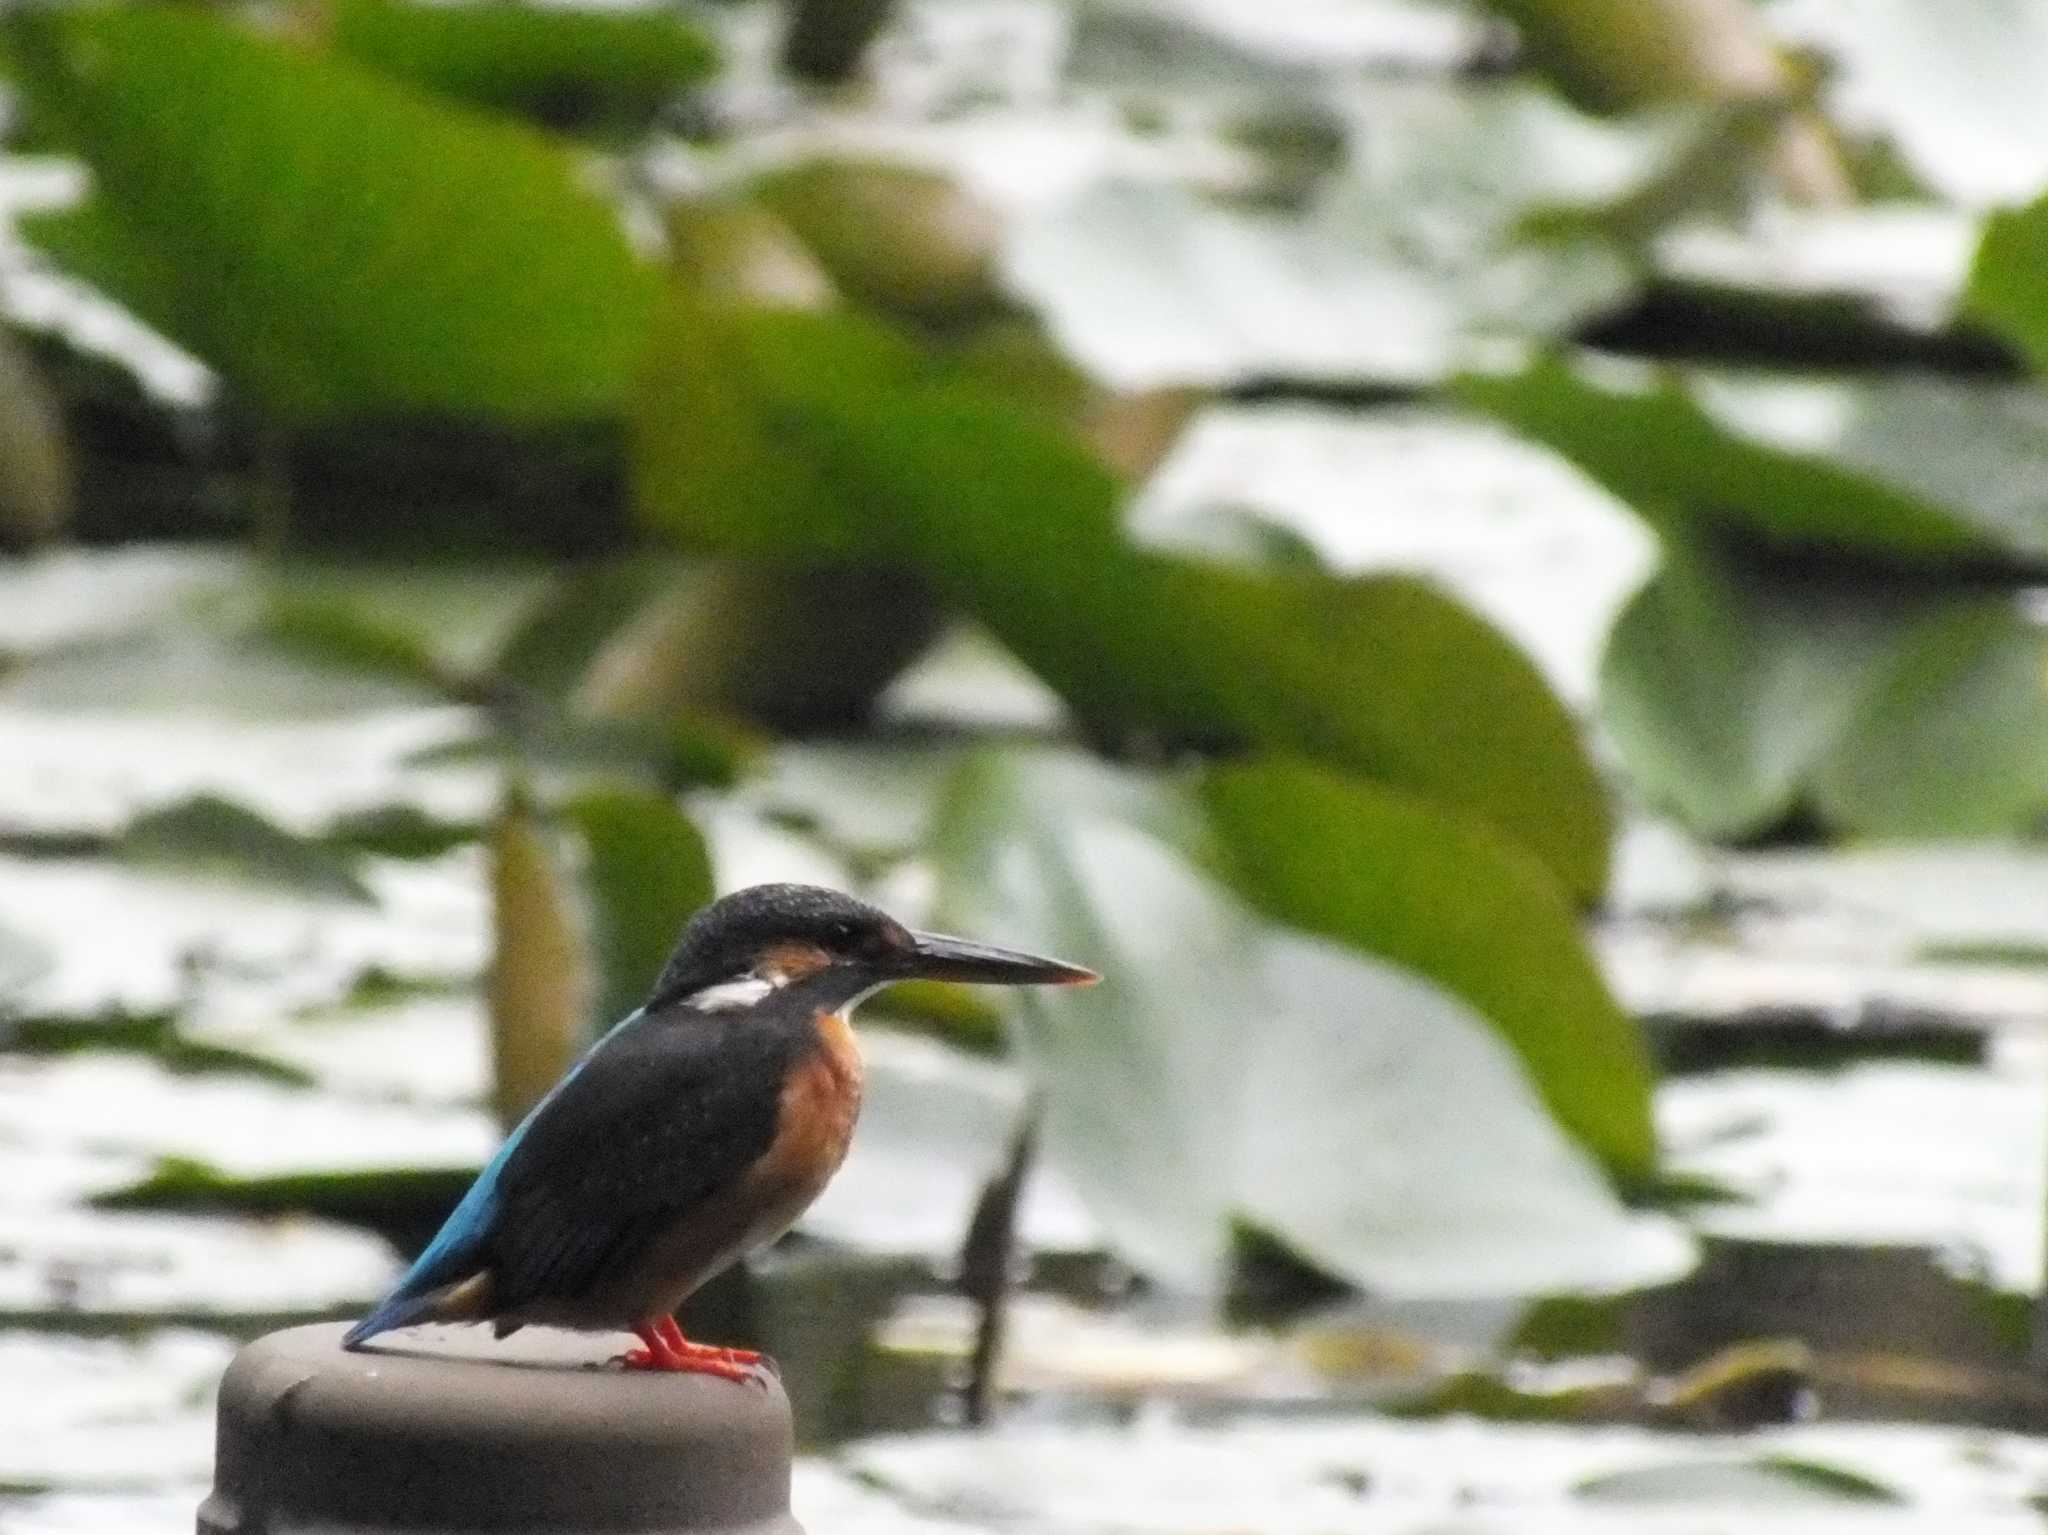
column 727, row 996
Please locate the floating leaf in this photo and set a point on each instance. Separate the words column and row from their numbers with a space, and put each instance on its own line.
column 1819, row 287
column 1397, row 878
column 1954, row 739
column 1723, row 684
column 286, row 640
column 612, row 70
column 1021, row 525
column 1734, row 689
column 646, row 870
column 331, row 240
column 456, row 614
column 1770, row 1481
column 406, row 1204
column 199, row 670
column 1925, row 471
column 215, row 835
column 334, row 632
column 68, row 595
column 155, row 1035
column 2008, row 290
column 397, row 831
column 1227, row 1070
column 1421, row 244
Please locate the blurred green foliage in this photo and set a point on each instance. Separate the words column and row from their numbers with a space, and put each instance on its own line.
column 336, row 242
column 1330, row 834
column 595, row 71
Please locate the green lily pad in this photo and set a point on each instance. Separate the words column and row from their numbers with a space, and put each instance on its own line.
column 1953, row 741
column 1736, row 691
column 2008, row 291
column 828, row 440
column 1399, row 879
column 155, row 1035
column 1428, row 239
column 214, row 835
column 1227, row 1070
column 405, row 1204
column 333, row 241
column 1921, row 471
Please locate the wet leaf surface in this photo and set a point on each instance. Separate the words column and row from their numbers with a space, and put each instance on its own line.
column 1771, row 1481
column 932, row 1131
column 86, row 765
column 104, row 1272
column 66, row 596
column 1887, row 264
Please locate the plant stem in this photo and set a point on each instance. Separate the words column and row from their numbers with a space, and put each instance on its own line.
column 988, row 1259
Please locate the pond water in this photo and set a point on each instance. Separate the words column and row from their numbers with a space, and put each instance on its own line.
column 1861, row 1070
column 1856, row 1098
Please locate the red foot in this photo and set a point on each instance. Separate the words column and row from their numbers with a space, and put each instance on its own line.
column 667, row 1349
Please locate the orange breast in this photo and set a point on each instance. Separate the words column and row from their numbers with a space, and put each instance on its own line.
column 814, row 1126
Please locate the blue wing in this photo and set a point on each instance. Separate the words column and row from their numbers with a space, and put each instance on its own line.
column 458, row 1247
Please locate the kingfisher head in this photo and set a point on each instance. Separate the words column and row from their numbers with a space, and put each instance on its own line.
column 748, row 945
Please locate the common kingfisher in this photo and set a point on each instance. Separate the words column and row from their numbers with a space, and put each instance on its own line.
column 699, row 1128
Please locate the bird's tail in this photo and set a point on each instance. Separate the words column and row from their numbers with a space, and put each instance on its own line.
column 397, row 1310
column 420, row 1298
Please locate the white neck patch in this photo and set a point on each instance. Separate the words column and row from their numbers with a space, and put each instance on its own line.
column 728, row 996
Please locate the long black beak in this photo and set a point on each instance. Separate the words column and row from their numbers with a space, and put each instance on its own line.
column 934, row 957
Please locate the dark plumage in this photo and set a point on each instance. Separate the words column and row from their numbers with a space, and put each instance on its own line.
column 698, row 1128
